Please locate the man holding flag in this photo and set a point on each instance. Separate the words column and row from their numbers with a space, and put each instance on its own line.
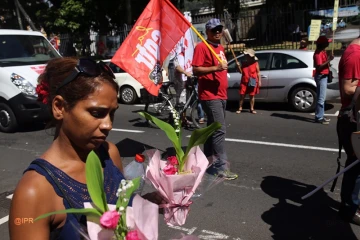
column 212, row 73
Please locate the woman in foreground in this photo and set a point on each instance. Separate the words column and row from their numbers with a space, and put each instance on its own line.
column 82, row 97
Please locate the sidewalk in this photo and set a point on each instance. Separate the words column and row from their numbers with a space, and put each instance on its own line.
column 335, row 63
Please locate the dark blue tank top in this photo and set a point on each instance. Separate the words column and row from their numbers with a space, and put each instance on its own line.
column 77, row 193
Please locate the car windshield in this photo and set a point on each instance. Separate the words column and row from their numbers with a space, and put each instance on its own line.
column 17, row 50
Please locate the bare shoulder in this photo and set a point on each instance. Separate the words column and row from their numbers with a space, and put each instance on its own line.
column 33, row 197
column 114, row 155
column 32, row 189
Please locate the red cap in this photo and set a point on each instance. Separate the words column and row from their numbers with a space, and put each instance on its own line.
column 323, row 39
column 139, row 158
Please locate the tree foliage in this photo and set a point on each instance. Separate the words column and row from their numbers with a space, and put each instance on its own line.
column 79, row 16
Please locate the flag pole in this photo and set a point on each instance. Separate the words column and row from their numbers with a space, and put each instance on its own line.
column 333, row 43
column 329, row 180
column 194, row 29
column 204, row 41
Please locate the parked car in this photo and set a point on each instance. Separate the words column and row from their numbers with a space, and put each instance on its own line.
column 23, row 57
column 129, row 88
column 286, row 76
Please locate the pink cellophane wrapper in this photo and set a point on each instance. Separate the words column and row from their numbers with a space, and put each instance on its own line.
column 177, row 189
column 143, row 217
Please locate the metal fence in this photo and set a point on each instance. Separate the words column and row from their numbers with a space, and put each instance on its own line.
column 276, row 28
column 258, row 28
column 93, row 44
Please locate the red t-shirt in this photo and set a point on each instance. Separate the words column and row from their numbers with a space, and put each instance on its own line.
column 213, row 85
column 349, row 68
column 319, row 58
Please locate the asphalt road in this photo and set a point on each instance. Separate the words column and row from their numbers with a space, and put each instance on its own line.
column 279, row 155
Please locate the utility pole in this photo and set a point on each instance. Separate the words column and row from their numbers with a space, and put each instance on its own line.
column 18, row 15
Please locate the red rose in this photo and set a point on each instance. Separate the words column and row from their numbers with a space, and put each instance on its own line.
column 42, row 91
column 170, row 169
column 132, row 235
column 173, row 160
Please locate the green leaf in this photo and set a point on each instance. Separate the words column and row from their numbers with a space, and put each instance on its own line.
column 198, row 137
column 95, row 181
column 169, row 131
column 85, row 211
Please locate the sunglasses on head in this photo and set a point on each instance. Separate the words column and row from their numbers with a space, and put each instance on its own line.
column 217, row 30
column 89, row 68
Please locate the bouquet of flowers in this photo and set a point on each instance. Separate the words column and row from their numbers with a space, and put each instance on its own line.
column 121, row 221
column 178, row 178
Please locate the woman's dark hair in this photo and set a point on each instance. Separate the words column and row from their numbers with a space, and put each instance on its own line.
column 78, row 89
column 321, row 46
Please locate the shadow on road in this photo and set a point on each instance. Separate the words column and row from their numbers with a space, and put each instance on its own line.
column 129, row 148
column 32, row 127
column 234, row 106
column 293, row 117
column 292, row 218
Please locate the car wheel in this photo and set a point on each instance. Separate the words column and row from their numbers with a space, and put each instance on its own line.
column 303, row 99
column 127, row 95
column 8, row 121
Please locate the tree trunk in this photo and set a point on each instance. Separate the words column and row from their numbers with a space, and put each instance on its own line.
column 219, row 6
column 129, row 19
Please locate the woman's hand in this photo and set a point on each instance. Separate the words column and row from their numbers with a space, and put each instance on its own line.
column 260, row 83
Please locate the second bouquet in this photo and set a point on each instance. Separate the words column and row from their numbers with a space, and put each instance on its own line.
column 178, row 177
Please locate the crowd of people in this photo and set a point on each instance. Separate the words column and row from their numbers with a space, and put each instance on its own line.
column 82, row 97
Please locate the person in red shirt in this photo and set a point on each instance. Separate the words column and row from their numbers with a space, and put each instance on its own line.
column 212, row 89
column 349, row 75
column 250, row 71
column 322, row 70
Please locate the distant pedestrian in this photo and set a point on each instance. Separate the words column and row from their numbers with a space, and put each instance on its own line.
column 303, row 45
column 322, row 71
column 250, row 82
column 2, row 22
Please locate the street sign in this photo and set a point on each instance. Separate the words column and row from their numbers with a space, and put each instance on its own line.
column 314, row 30
column 335, row 15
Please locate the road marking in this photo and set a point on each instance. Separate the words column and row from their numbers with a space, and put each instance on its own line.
column 188, row 231
column 281, row 144
column 4, row 220
column 205, row 234
column 328, row 114
column 141, row 105
column 126, row 130
column 212, row 235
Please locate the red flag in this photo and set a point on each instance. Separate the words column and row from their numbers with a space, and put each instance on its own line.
column 156, row 32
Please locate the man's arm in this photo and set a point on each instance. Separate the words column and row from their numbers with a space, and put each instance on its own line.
column 181, row 70
column 324, row 65
column 349, row 86
column 258, row 73
column 199, row 71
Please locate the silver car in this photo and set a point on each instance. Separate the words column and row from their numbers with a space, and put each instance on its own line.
column 286, row 76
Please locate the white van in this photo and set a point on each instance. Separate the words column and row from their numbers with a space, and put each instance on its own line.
column 23, row 57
